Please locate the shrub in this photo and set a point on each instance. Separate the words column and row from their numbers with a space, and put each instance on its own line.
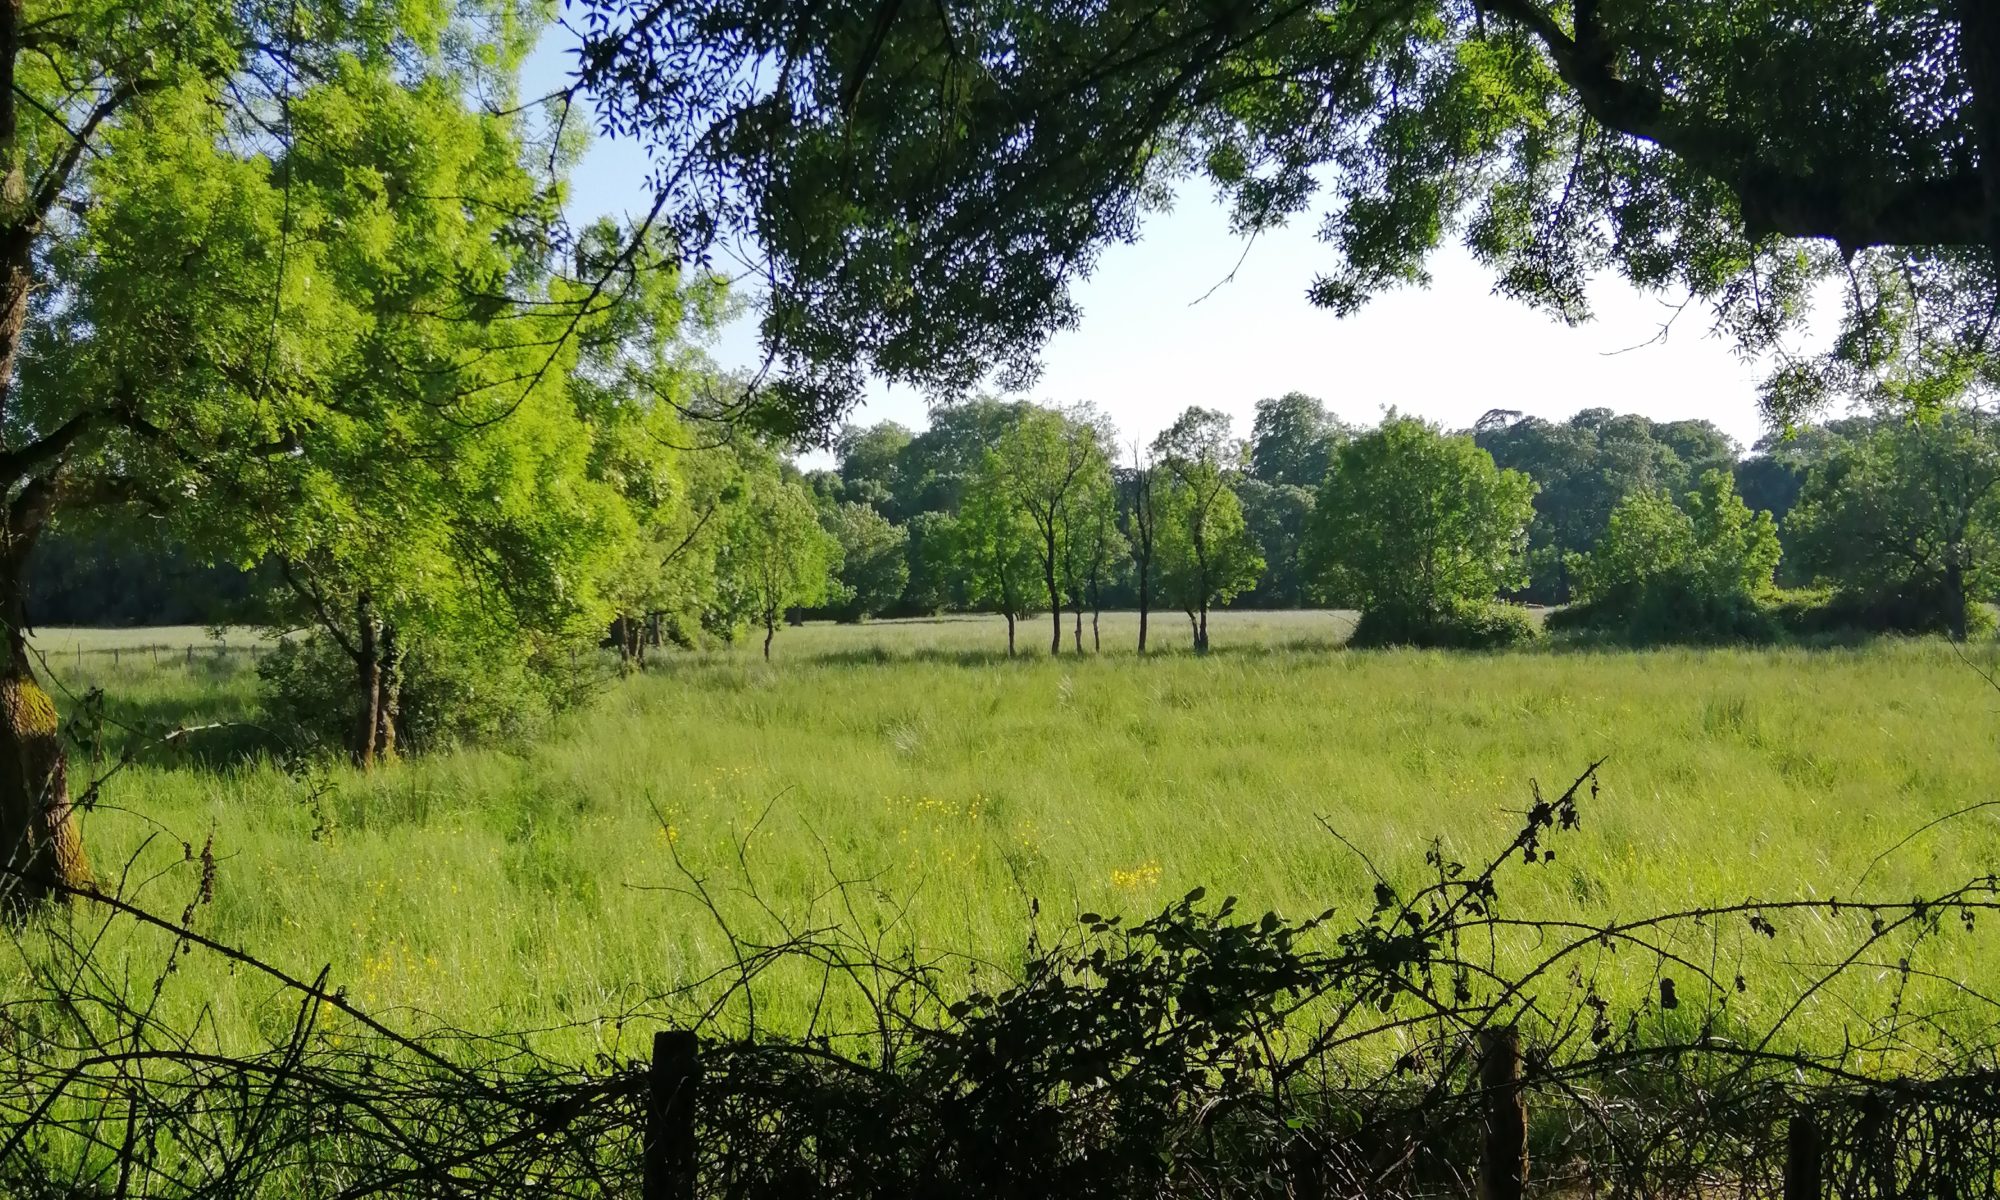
column 1913, row 608
column 449, row 696
column 1489, row 626
column 1672, row 611
column 1697, row 571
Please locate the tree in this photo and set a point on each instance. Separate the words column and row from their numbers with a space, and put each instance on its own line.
column 455, row 470
column 1092, row 550
column 1673, row 570
column 873, row 565
column 1142, row 529
column 1584, row 466
column 934, row 470
column 935, row 557
column 779, row 557
column 1774, row 474
column 1001, row 548
column 1417, row 524
column 635, row 387
column 930, row 181
column 202, row 213
column 1206, row 555
column 871, row 462
column 1277, row 515
column 1048, row 460
column 1906, row 518
column 1292, row 440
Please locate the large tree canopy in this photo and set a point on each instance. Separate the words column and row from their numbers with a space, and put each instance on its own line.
column 929, row 180
column 233, row 238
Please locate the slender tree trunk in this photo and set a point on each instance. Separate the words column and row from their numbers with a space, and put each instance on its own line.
column 389, row 708
column 1055, row 596
column 770, row 631
column 1078, row 609
column 1194, row 630
column 1096, row 642
column 40, row 845
column 1010, row 635
column 1144, row 562
column 1201, row 580
column 1144, row 607
column 1954, row 593
column 368, row 665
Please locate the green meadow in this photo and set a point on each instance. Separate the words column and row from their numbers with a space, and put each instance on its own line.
column 908, row 785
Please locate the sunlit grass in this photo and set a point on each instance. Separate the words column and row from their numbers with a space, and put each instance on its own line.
column 951, row 787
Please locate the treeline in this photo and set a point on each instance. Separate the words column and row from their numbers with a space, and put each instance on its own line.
column 1651, row 530
column 1886, row 523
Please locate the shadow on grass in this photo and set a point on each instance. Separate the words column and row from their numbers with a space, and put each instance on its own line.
column 209, row 717
column 876, row 656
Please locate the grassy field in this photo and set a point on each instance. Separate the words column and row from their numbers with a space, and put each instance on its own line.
column 947, row 787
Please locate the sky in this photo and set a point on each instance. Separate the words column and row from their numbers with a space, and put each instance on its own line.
column 1161, row 329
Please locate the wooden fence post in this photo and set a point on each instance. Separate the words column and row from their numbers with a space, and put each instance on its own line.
column 669, row 1144
column 1503, row 1148
column 1802, row 1157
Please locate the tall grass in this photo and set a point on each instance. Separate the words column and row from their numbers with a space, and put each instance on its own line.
column 954, row 791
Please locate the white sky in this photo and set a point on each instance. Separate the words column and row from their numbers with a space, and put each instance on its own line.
column 1145, row 349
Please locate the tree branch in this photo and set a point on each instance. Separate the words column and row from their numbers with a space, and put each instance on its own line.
column 1855, row 210
column 16, row 463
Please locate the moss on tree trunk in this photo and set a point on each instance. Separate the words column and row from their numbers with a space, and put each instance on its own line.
column 43, row 847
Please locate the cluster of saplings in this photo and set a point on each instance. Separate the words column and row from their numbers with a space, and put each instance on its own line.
column 1641, row 531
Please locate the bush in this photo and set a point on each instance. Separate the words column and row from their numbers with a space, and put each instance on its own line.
column 1658, row 615
column 312, row 696
column 1489, row 626
column 1694, row 571
column 1912, row 609
column 1667, row 611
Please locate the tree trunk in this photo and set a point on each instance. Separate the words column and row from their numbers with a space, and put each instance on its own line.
column 1096, row 642
column 41, row 848
column 1010, row 635
column 389, row 706
column 1145, row 603
column 368, row 665
column 1079, row 625
column 40, row 845
column 770, row 631
column 1194, row 630
column 1201, row 632
column 1055, row 600
column 1954, row 597
column 618, row 634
